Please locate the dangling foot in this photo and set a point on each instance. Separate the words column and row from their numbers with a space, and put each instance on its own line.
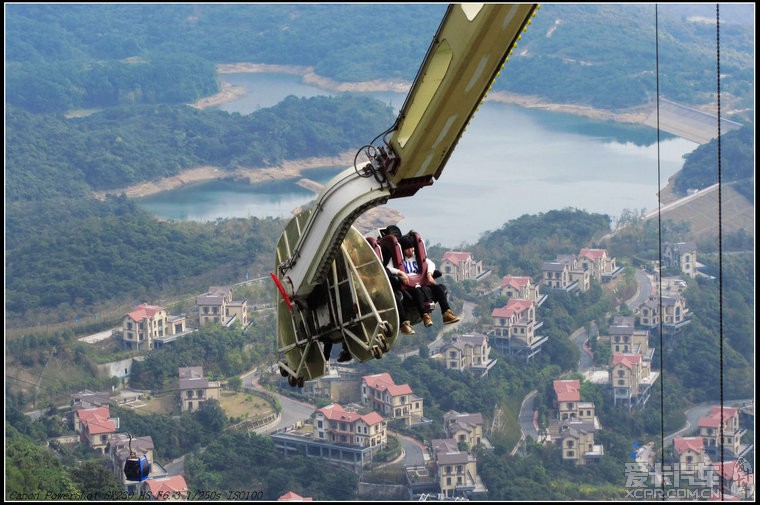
column 449, row 317
column 406, row 328
column 427, row 320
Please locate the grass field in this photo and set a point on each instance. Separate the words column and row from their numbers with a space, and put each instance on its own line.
column 235, row 405
column 243, row 405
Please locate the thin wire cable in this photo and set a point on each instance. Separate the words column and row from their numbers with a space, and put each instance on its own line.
column 659, row 249
column 720, row 246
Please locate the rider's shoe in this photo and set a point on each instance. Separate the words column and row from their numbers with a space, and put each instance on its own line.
column 449, row 317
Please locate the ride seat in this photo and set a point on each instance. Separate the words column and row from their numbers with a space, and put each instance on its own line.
column 392, row 252
column 376, row 247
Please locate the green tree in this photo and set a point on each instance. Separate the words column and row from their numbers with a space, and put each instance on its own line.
column 96, row 482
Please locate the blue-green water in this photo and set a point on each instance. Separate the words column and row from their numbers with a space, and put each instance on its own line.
column 511, row 161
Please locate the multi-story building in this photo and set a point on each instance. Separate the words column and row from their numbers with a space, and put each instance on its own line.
column 577, row 441
column 457, row 471
column 339, row 426
column 631, row 378
column 681, row 255
column 522, row 288
column 95, row 426
column 468, row 352
column 690, row 455
column 149, row 327
column 601, row 267
column 381, row 394
column 464, row 428
column 514, row 328
column 628, row 340
column 710, row 430
column 577, row 423
column 140, row 327
column 217, row 306
column 568, row 395
column 674, row 310
column 565, row 273
column 195, row 389
column 458, row 266
column 121, row 447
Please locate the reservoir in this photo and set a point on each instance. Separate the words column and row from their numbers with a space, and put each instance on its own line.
column 510, row 161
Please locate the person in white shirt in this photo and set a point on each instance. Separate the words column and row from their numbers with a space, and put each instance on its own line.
column 418, row 281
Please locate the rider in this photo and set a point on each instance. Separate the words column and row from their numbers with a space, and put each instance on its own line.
column 397, row 284
column 437, row 291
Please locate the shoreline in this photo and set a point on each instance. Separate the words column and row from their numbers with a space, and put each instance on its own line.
column 292, row 169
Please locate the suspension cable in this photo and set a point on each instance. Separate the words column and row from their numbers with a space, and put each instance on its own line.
column 659, row 249
column 720, row 245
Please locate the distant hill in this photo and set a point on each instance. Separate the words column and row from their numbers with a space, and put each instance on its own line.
column 604, row 55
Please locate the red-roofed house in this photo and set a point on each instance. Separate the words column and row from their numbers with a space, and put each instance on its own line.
column 709, row 430
column 459, row 265
column 568, row 396
column 514, row 328
column 94, row 426
column 691, row 455
column 141, row 326
column 339, row 426
column 291, row 496
column 738, row 478
column 381, row 394
column 631, row 378
column 520, row 287
column 173, row 488
column 577, row 423
column 596, row 261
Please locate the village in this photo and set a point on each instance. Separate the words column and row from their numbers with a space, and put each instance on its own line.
column 354, row 428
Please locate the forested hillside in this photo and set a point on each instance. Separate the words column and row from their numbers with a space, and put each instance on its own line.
column 737, row 164
column 66, row 252
column 600, row 55
column 49, row 156
column 135, row 67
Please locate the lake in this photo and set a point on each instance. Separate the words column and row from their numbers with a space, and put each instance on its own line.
column 511, row 161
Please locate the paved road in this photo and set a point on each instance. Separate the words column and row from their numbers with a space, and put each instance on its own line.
column 526, row 416
column 413, row 451
column 579, row 338
column 643, row 290
column 292, row 412
column 466, row 316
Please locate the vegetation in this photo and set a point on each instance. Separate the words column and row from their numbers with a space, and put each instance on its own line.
column 225, row 352
column 70, row 256
column 623, row 75
column 125, row 145
column 737, row 164
column 146, row 54
column 235, row 461
column 507, row 383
